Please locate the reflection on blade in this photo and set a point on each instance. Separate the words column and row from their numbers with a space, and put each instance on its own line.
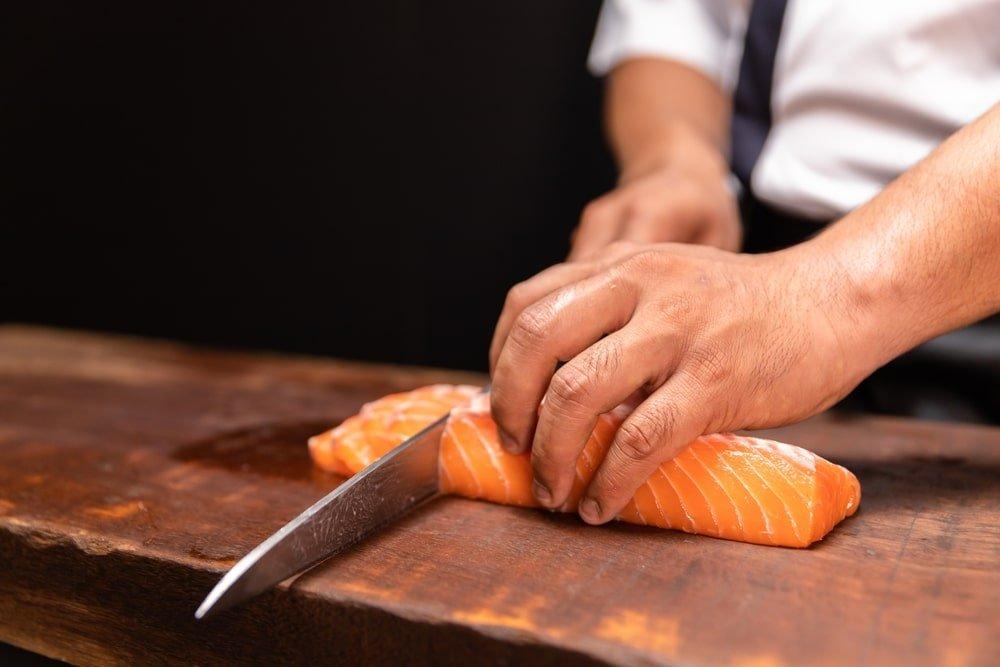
column 383, row 491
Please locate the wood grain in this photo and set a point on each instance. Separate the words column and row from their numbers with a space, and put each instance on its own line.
column 134, row 473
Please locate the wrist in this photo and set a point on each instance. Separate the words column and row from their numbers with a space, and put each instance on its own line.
column 679, row 148
column 853, row 293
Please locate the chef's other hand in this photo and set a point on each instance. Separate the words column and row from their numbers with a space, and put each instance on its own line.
column 686, row 198
column 713, row 341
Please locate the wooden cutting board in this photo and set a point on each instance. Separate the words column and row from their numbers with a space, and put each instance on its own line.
column 134, row 473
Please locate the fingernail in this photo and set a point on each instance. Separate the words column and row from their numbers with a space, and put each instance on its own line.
column 541, row 494
column 590, row 511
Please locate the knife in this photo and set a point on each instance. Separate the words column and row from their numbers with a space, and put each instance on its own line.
column 385, row 490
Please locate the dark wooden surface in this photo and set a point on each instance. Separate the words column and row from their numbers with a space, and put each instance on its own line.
column 133, row 474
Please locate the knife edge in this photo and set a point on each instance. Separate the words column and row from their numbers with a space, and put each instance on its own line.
column 385, row 490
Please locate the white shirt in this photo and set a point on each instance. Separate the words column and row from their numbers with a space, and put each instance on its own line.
column 862, row 89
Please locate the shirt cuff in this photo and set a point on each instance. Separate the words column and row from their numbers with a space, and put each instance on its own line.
column 698, row 33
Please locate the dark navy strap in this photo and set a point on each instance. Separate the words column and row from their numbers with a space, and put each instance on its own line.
column 752, row 98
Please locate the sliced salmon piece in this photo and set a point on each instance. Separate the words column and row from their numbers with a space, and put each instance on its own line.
column 724, row 485
column 383, row 424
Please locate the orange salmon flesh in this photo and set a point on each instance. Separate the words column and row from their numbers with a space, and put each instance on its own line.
column 723, row 485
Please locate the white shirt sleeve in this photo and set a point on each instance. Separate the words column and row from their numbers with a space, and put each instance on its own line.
column 705, row 34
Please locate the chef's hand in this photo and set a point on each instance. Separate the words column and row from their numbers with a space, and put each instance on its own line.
column 683, row 195
column 713, row 341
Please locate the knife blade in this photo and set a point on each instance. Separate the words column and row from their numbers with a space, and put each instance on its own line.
column 385, row 490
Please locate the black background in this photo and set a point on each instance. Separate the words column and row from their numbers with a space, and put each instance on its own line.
column 363, row 180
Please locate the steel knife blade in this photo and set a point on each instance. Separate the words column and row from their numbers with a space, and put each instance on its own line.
column 385, row 490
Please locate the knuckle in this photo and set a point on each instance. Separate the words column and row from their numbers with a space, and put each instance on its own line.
column 606, row 360
column 570, row 389
column 687, row 192
column 648, row 206
column 636, row 441
column 712, row 368
column 642, row 262
column 530, row 327
column 517, row 296
column 596, row 211
column 678, row 309
column 619, row 248
column 639, row 438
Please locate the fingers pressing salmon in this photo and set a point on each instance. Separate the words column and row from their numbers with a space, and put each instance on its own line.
column 723, row 485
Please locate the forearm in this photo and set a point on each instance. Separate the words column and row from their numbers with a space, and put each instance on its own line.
column 923, row 257
column 660, row 111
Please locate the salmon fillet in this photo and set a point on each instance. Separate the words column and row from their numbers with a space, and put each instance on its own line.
column 724, row 485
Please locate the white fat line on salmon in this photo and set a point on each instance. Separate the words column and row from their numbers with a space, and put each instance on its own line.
column 846, row 484
column 586, row 456
column 775, row 465
column 708, row 503
column 443, row 470
column 638, row 512
column 768, row 528
column 656, row 502
column 736, row 509
column 753, row 462
column 680, row 500
column 749, row 457
column 494, row 461
column 781, row 472
column 803, row 457
column 468, row 465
